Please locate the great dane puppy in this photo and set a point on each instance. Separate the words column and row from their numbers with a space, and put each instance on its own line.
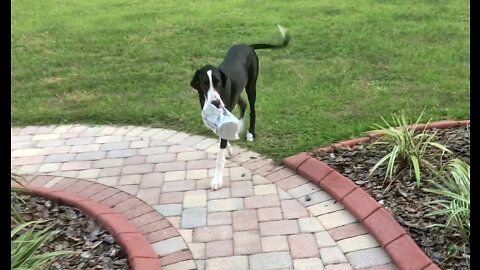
column 222, row 86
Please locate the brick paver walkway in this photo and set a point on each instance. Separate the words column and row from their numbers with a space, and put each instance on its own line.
column 264, row 216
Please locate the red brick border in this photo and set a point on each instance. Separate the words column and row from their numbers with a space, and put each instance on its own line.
column 390, row 234
column 140, row 253
column 375, row 134
column 134, row 224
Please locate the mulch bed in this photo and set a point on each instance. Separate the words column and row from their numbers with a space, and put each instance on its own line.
column 403, row 199
column 72, row 230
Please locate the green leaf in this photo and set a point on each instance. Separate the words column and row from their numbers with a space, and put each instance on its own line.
column 416, row 168
column 454, row 185
column 441, row 147
column 391, row 162
column 24, row 246
column 452, row 249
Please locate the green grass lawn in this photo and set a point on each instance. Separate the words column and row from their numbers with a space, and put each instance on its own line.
column 348, row 63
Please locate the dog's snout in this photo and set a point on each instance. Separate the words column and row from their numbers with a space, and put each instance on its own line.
column 216, row 103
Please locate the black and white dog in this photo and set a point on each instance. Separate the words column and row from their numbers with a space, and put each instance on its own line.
column 223, row 85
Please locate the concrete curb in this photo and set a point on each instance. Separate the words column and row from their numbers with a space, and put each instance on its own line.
column 140, row 253
column 389, row 233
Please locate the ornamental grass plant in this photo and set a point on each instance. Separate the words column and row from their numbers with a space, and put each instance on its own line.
column 24, row 246
column 409, row 150
column 453, row 182
column 26, row 238
column 15, row 216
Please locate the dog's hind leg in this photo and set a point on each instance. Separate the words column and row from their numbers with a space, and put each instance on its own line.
column 251, row 90
column 251, row 129
column 243, row 108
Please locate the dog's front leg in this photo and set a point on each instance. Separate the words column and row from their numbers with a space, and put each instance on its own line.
column 220, row 164
column 229, row 150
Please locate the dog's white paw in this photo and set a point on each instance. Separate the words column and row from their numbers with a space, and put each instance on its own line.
column 249, row 137
column 229, row 151
column 216, row 183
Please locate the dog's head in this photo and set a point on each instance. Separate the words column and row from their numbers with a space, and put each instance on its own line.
column 209, row 82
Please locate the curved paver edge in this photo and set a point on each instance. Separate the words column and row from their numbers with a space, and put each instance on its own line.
column 390, row 234
column 140, row 253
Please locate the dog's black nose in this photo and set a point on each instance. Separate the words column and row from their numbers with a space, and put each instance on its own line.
column 216, row 103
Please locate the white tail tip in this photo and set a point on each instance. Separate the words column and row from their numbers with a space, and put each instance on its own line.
column 241, row 126
column 283, row 30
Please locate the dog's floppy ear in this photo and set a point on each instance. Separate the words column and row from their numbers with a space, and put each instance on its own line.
column 224, row 78
column 194, row 82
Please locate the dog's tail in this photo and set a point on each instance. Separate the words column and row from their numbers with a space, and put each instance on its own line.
column 241, row 126
column 286, row 40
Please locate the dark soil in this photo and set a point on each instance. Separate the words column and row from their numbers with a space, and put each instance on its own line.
column 404, row 201
column 75, row 231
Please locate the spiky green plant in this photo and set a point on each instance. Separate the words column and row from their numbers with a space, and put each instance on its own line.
column 454, row 185
column 14, row 214
column 25, row 239
column 409, row 150
column 25, row 244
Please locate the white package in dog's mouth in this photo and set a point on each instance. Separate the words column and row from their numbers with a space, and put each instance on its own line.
column 221, row 121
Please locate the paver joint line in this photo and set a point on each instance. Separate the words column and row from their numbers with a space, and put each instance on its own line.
column 380, row 207
column 393, row 240
column 301, row 163
column 323, row 178
column 349, row 193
